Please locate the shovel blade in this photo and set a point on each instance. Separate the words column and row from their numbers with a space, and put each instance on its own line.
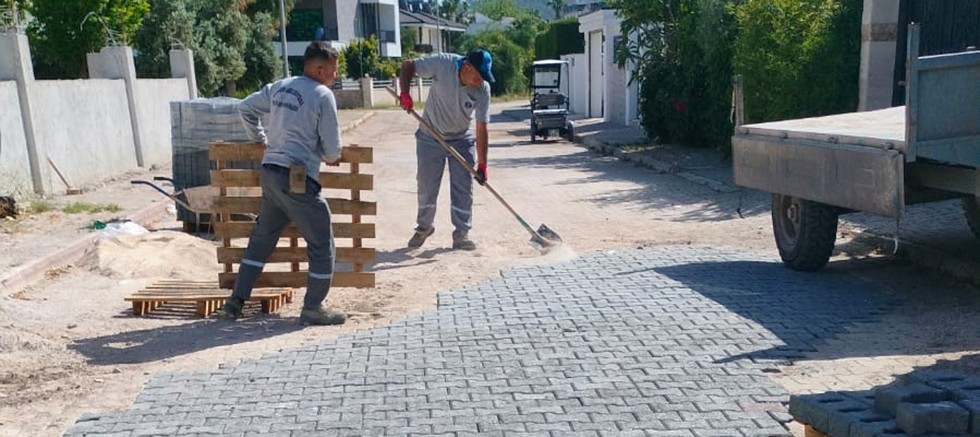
column 546, row 237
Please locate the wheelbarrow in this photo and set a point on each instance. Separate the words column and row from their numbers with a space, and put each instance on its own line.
column 197, row 200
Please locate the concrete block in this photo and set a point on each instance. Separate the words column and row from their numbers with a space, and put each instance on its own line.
column 972, row 406
column 818, row 410
column 887, row 398
column 958, row 386
column 873, row 428
column 917, row 419
column 807, row 408
column 839, row 422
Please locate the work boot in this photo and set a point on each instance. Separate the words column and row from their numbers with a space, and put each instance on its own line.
column 231, row 310
column 463, row 242
column 419, row 237
column 322, row 316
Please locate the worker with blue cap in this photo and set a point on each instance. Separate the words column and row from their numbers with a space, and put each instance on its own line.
column 459, row 93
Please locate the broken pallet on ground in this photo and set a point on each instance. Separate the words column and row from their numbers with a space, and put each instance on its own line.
column 207, row 296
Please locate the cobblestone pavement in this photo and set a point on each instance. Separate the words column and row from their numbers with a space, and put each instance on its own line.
column 667, row 341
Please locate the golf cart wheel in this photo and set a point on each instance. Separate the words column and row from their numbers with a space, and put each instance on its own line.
column 570, row 132
column 805, row 232
column 971, row 206
column 534, row 131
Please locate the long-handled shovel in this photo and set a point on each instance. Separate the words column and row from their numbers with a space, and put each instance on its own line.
column 543, row 237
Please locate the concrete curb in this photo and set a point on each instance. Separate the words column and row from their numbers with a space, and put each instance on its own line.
column 29, row 273
column 351, row 126
column 926, row 257
column 656, row 165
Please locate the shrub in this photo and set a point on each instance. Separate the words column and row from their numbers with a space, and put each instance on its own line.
column 562, row 37
column 798, row 59
column 684, row 68
column 509, row 61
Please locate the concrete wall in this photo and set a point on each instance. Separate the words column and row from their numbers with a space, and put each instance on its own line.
column 85, row 128
column 153, row 109
column 578, row 85
column 348, row 19
column 15, row 170
column 879, row 39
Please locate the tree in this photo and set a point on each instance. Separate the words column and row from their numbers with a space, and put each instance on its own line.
column 497, row 9
column 558, row 6
column 63, row 31
column 231, row 40
column 362, row 57
column 455, row 10
column 510, row 61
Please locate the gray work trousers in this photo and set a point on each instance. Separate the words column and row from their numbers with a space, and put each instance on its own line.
column 432, row 158
column 311, row 215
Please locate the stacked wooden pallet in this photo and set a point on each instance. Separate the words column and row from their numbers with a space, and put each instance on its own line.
column 239, row 195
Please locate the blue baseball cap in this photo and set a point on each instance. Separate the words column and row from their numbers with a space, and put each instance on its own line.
column 483, row 62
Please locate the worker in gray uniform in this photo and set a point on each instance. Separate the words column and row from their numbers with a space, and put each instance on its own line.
column 302, row 129
column 460, row 89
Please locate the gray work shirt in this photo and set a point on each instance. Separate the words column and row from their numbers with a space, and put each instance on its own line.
column 302, row 123
column 450, row 105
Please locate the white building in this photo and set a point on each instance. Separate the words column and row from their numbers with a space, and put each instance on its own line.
column 342, row 21
column 600, row 89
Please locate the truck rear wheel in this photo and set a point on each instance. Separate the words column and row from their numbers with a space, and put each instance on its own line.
column 805, row 232
column 971, row 206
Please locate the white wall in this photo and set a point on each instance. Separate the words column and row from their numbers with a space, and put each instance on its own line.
column 578, row 83
column 84, row 127
column 15, row 170
column 153, row 97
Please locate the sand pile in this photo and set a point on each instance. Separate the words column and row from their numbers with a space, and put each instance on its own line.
column 163, row 254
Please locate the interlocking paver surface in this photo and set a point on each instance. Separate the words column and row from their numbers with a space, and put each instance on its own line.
column 659, row 341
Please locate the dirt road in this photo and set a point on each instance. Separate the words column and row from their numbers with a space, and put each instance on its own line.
column 70, row 345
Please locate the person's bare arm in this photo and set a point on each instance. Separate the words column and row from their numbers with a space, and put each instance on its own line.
column 406, row 76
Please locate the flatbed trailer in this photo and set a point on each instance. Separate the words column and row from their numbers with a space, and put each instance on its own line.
column 875, row 161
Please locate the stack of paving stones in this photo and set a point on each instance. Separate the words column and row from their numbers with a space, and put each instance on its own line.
column 194, row 124
column 667, row 341
column 923, row 403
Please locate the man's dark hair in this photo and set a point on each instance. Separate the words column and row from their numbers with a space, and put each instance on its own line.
column 320, row 50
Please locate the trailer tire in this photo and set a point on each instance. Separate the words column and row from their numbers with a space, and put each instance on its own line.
column 805, row 232
column 971, row 206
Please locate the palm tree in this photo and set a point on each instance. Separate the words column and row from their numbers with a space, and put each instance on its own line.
column 558, row 6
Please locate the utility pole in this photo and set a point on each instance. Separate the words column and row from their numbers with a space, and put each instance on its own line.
column 282, row 36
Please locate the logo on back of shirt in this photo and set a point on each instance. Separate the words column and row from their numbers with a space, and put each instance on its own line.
column 280, row 97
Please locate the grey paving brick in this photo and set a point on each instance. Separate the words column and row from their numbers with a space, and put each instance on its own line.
column 663, row 341
column 937, row 418
column 888, row 397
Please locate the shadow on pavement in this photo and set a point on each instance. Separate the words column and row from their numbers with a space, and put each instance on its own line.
column 848, row 301
column 172, row 341
column 653, row 191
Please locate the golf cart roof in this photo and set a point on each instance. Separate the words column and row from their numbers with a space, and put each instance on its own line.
column 545, row 62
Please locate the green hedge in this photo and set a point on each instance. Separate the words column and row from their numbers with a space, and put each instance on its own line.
column 509, row 61
column 561, row 38
column 798, row 58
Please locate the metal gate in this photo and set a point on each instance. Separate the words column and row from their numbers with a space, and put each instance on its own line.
column 948, row 26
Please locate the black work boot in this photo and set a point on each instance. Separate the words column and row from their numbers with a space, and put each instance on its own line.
column 232, row 309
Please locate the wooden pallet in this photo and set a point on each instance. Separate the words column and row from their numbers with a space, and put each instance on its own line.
column 206, row 294
column 231, row 202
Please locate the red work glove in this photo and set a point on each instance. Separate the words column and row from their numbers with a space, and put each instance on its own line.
column 481, row 174
column 405, row 101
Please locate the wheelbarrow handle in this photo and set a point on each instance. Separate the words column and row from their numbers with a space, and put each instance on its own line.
column 161, row 190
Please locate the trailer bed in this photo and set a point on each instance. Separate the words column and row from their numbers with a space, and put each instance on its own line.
column 884, row 129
